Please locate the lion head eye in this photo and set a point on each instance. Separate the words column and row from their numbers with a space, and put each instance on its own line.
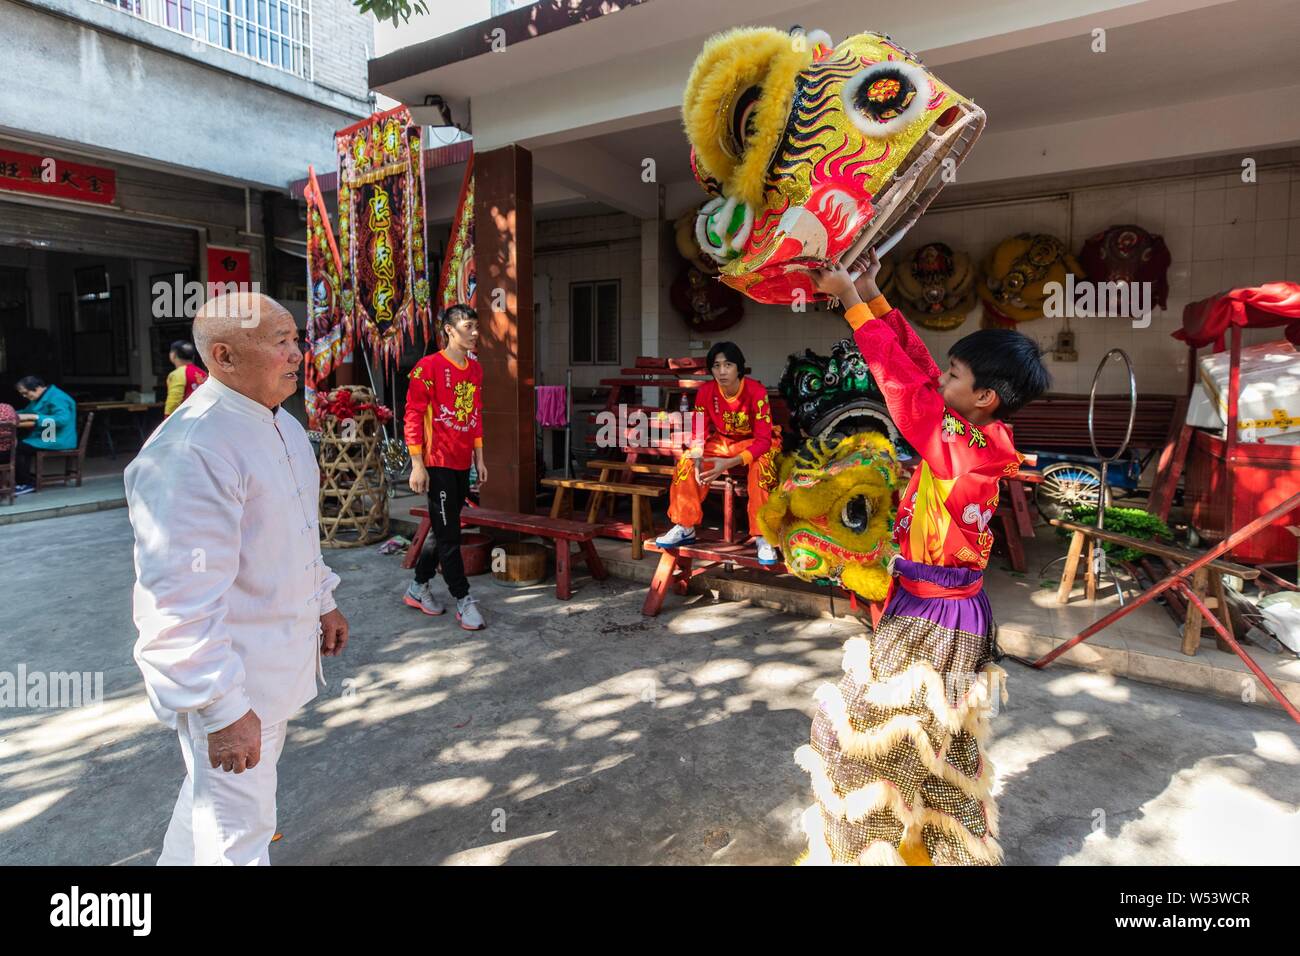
column 856, row 514
column 740, row 125
column 885, row 97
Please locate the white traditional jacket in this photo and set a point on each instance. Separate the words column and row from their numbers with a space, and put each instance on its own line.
column 230, row 582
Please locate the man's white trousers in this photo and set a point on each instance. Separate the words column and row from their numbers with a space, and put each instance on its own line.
column 222, row 818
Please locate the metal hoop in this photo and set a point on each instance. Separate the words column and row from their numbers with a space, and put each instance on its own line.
column 1132, row 405
column 1123, row 447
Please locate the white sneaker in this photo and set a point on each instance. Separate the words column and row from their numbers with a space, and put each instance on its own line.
column 675, row 537
column 420, row 597
column 468, row 614
column 766, row 553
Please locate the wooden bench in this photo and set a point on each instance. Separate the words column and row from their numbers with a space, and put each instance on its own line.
column 1061, row 422
column 560, row 532
column 661, row 469
column 678, row 566
column 1207, row 579
column 642, row 519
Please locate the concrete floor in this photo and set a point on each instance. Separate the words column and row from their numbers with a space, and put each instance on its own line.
column 580, row 732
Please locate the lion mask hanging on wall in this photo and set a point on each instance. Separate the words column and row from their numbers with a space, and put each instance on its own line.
column 1019, row 275
column 937, row 286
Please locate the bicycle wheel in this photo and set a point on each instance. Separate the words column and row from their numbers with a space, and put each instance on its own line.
column 1066, row 485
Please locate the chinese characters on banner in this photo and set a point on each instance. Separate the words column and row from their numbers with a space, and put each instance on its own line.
column 458, row 280
column 60, row 178
column 385, row 283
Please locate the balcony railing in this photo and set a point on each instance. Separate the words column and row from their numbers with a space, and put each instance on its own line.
column 274, row 32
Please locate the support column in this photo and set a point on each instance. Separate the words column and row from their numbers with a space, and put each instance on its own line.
column 650, row 242
column 503, row 261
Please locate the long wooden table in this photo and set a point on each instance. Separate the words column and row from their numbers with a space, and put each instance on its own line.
column 137, row 411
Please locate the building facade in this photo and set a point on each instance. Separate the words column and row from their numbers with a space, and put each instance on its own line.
column 146, row 144
column 1097, row 116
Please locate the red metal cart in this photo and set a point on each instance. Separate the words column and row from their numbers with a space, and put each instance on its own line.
column 1230, row 482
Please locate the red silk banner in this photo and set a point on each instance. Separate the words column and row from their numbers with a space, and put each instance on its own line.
column 329, row 330
column 47, row 176
column 1272, row 305
column 458, row 279
column 385, row 279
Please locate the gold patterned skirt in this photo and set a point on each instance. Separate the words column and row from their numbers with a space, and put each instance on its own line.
column 897, row 757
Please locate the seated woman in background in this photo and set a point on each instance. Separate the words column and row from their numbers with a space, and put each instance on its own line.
column 184, row 378
column 51, row 421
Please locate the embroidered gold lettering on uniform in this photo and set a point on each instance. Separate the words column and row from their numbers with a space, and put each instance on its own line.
column 464, row 401
column 953, row 426
column 737, row 423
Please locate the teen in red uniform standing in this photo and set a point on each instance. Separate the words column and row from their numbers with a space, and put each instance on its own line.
column 444, row 433
column 738, row 417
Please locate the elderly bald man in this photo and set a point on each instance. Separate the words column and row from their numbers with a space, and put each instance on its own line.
column 233, row 601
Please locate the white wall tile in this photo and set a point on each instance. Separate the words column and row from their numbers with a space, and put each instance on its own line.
column 1209, row 208
column 1269, row 269
column 1273, row 201
column 1270, row 237
column 1239, row 203
column 1207, row 242
column 1180, row 209
column 1239, row 239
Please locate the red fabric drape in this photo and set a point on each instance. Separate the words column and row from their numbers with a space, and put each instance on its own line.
column 1270, row 305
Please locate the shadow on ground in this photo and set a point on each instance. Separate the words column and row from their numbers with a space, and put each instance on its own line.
column 580, row 732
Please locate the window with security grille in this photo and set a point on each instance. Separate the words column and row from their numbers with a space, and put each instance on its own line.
column 274, row 32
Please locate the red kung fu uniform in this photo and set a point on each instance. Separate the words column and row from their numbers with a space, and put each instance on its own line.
column 741, row 425
column 944, row 515
column 921, row 796
column 444, row 412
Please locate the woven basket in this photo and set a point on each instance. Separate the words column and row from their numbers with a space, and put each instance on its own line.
column 353, row 492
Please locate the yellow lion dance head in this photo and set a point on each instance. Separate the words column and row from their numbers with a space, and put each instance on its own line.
column 815, row 151
column 832, row 512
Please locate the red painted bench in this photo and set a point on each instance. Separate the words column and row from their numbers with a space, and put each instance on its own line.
column 677, row 566
column 559, row 531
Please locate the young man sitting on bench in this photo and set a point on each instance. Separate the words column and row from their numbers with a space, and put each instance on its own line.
column 738, row 430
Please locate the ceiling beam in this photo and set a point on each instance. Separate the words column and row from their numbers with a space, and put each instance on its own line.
column 596, row 174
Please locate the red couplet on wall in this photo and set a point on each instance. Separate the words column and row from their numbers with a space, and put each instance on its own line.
column 228, row 265
column 47, row 176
